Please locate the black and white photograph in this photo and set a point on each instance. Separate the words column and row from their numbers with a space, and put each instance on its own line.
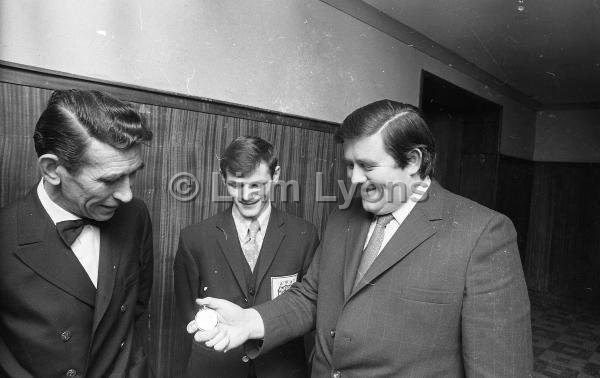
column 299, row 188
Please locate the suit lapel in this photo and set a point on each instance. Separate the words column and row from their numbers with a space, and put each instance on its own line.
column 356, row 234
column 229, row 243
column 42, row 250
column 415, row 229
column 270, row 246
column 111, row 236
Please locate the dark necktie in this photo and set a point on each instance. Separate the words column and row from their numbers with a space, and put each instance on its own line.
column 70, row 230
column 373, row 246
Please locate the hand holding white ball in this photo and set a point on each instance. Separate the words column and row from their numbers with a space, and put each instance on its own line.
column 206, row 318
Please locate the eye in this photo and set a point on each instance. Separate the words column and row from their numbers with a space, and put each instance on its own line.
column 367, row 167
column 109, row 181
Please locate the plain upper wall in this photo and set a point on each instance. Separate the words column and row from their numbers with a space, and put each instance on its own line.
column 568, row 136
column 299, row 57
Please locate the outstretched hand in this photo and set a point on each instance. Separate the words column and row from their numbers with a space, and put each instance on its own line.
column 236, row 325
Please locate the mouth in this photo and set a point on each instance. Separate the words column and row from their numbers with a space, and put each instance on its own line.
column 249, row 203
column 371, row 189
column 109, row 208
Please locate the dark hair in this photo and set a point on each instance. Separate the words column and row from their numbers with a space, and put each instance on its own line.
column 244, row 154
column 74, row 116
column 403, row 130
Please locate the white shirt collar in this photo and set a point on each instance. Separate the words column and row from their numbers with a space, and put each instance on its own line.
column 402, row 212
column 56, row 213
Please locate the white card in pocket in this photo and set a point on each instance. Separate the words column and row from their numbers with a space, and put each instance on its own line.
column 280, row 285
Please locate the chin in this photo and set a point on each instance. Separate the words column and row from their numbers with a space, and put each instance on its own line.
column 102, row 216
column 371, row 207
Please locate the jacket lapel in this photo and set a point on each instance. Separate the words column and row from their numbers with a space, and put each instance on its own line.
column 42, row 250
column 270, row 246
column 356, row 234
column 415, row 229
column 229, row 243
column 111, row 236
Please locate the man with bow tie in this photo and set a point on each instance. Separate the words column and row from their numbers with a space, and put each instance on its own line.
column 76, row 252
column 249, row 254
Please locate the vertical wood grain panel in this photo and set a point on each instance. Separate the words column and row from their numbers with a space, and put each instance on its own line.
column 187, row 141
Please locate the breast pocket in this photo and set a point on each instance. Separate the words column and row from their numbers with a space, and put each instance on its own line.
column 429, row 296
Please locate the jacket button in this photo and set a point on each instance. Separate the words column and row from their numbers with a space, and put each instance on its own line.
column 336, row 374
column 122, row 345
column 71, row 373
column 251, row 291
column 332, row 333
column 123, row 308
column 245, row 358
column 65, row 336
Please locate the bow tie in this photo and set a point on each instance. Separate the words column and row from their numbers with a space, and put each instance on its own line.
column 70, row 230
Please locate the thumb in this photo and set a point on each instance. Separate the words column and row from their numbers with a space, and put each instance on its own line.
column 209, row 302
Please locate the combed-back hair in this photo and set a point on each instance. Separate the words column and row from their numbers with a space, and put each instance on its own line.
column 403, row 130
column 74, row 116
column 244, row 154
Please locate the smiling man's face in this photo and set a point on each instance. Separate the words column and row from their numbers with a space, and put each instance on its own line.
column 98, row 188
column 251, row 193
column 384, row 186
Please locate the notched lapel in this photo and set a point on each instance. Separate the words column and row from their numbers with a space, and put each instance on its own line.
column 42, row 250
column 415, row 229
column 110, row 254
column 356, row 234
column 270, row 246
column 229, row 244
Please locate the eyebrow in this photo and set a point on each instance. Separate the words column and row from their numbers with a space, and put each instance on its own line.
column 115, row 176
column 362, row 162
column 234, row 181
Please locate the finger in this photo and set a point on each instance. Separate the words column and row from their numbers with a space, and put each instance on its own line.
column 212, row 342
column 222, row 344
column 192, row 327
column 208, row 302
column 202, row 336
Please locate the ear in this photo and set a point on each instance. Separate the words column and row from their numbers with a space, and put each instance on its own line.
column 276, row 174
column 50, row 168
column 415, row 157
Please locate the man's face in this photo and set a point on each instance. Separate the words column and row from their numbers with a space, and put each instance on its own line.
column 100, row 185
column 251, row 193
column 383, row 186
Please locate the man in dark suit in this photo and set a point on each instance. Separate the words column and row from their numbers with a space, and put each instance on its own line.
column 76, row 252
column 412, row 282
column 249, row 254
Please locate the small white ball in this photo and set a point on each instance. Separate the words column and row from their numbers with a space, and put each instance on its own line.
column 206, row 319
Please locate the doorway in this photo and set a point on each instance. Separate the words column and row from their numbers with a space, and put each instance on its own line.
column 466, row 128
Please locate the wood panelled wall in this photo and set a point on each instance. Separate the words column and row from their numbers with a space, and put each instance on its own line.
column 515, row 179
column 189, row 134
column 556, row 211
column 562, row 258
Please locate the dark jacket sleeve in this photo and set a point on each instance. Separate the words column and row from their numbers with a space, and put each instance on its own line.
column 9, row 366
column 496, row 328
column 185, row 282
column 147, row 267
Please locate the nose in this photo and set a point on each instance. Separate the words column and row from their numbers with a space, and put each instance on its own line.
column 248, row 193
column 123, row 192
column 357, row 175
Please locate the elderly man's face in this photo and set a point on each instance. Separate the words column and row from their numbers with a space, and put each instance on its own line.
column 101, row 184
